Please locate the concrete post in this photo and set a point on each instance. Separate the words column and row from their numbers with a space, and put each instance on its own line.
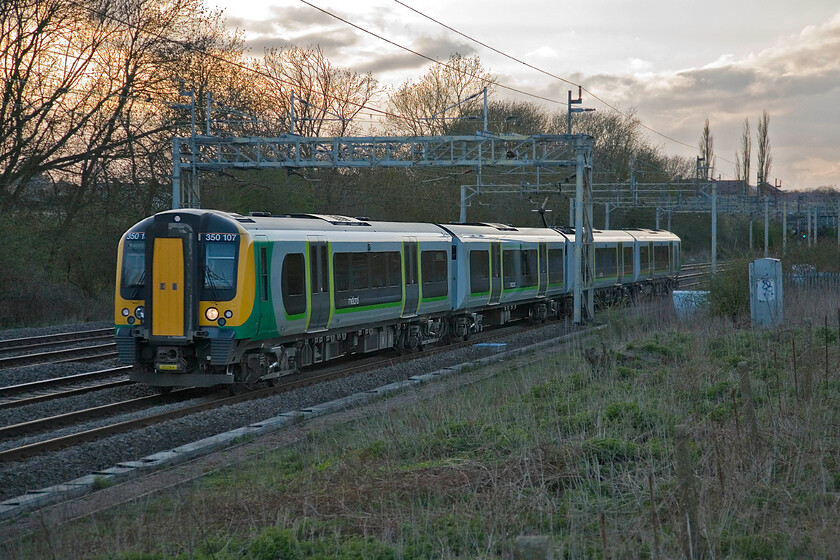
column 784, row 227
column 176, row 173
column 714, row 229
column 766, row 226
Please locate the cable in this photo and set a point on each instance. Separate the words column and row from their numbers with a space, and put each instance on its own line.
column 190, row 48
column 430, row 59
column 620, row 112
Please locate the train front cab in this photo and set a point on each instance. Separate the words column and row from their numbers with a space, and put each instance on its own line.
column 181, row 296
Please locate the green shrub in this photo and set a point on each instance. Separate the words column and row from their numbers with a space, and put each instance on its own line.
column 729, row 291
column 275, row 544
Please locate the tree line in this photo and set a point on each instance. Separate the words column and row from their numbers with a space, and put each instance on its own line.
column 743, row 155
column 93, row 91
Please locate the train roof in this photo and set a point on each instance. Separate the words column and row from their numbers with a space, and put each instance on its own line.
column 612, row 236
column 263, row 221
column 486, row 230
column 259, row 221
column 652, row 234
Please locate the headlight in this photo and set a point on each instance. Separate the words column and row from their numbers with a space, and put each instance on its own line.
column 212, row 313
column 125, row 312
column 140, row 312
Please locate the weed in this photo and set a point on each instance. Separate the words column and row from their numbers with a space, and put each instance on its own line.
column 102, row 482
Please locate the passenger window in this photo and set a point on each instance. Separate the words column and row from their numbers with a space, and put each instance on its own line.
column 509, row 265
column 529, row 268
column 341, row 271
column 661, row 257
column 394, row 268
column 628, row 260
column 479, row 272
column 605, row 262
column 378, row 270
column 360, row 271
column 556, row 263
column 644, row 259
column 433, row 268
column 293, row 283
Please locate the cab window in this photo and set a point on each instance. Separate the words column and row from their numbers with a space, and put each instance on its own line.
column 219, row 271
column 133, row 269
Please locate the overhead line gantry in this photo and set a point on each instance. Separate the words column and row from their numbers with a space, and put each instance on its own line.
column 541, row 152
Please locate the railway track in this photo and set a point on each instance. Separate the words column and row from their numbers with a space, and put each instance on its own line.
column 287, row 384
column 12, row 396
column 697, row 275
column 30, row 343
column 692, row 275
column 92, row 353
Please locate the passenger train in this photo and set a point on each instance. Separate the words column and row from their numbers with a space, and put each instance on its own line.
column 207, row 298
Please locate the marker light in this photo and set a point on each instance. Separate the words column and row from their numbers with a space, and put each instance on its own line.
column 212, row 313
column 125, row 312
column 228, row 314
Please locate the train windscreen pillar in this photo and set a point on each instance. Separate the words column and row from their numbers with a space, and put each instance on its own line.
column 766, row 301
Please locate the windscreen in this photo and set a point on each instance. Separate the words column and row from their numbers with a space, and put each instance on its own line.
column 133, row 267
column 220, row 252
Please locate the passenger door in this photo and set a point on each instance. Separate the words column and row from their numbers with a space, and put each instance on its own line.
column 543, row 258
column 495, row 271
column 319, row 285
column 410, row 277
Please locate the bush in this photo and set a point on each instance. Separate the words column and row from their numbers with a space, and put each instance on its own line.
column 729, row 291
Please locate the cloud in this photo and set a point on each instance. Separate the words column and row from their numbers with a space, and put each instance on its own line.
column 544, row 52
column 394, row 59
column 330, row 43
column 300, row 18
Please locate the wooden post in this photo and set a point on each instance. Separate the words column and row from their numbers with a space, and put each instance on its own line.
column 751, row 426
column 825, row 378
column 604, row 549
column 687, row 497
column 654, row 520
column 795, row 377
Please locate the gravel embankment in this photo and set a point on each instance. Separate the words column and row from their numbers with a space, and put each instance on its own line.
column 38, row 472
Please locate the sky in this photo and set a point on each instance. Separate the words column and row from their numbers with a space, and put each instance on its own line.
column 674, row 64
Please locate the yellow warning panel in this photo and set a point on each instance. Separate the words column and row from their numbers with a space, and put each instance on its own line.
column 168, row 287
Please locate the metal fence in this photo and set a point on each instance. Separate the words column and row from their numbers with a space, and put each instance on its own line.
column 812, row 279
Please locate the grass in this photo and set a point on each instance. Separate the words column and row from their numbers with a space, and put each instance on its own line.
column 554, row 446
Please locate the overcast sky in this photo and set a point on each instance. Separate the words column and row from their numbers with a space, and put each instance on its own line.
column 675, row 63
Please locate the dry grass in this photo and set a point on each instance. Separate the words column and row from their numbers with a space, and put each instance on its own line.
column 557, row 447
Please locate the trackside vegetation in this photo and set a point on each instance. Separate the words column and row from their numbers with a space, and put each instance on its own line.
column 579, row 446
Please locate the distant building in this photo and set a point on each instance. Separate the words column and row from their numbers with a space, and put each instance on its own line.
column 732, row 188
column 766, row 189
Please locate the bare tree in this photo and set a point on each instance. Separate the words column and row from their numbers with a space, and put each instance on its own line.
column 707, row 151
column 743, row 159
column 504, row 116
column 82, row 82
column 434, row 104
column 763, row 139
column 326, row 98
